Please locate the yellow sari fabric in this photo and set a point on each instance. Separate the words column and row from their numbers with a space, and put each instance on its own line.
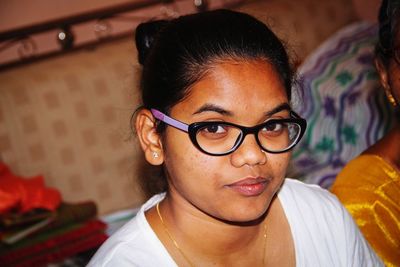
column 370, row 190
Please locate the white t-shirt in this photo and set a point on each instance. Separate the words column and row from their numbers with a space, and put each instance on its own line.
column 324, row 234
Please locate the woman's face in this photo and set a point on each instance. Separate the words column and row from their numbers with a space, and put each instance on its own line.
column 240, row 186
column 394, row 72
column 390, row 74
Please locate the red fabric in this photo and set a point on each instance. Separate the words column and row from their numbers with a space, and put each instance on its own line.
column 22, row 195
column 88, row 235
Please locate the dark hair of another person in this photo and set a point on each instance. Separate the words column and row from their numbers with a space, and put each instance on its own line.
column 177, row 53
column 389, row 26
column 389, row 18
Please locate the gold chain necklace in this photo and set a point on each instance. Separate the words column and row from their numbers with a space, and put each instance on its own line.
column 181, row 251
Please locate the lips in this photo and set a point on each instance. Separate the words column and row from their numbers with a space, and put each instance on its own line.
column 249, row 186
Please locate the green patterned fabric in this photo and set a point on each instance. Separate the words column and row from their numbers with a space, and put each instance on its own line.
column 343, row 103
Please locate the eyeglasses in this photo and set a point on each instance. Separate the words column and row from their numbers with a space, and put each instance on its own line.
column 218, row 138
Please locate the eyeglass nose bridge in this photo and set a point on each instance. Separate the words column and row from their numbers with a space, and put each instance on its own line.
column 244, row 131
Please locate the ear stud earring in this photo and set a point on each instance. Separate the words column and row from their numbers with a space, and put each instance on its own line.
column 155, row 155
column 390, row 97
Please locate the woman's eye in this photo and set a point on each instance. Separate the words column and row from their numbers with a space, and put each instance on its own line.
column 272, row 128
column 215, row 128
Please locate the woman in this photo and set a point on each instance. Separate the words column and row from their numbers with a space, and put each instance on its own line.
column 216, row 117
column 369, row 186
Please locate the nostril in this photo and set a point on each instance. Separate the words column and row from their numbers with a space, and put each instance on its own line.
column 249, row 153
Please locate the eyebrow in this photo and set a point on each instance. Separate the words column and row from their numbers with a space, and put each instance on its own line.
column 283, row 106
column 215, row 108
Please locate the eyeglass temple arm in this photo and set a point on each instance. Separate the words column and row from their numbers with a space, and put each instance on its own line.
column 168, row 120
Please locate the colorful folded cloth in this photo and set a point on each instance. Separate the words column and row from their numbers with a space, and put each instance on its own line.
column 22, row 195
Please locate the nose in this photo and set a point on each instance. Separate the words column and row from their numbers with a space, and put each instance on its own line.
column 248, row 153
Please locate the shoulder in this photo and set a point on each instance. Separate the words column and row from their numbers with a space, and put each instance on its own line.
column 135, row 244
column 366, row 169
column 316, row 205
column 367, row 179
column 117, row 246
column 323, row 231
column 314, row 195
column 312, row 206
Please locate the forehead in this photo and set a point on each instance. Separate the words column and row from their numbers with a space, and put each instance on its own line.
column 240, row 84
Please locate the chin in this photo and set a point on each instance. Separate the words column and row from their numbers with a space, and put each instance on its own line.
column 246, row 215
column 246, row 220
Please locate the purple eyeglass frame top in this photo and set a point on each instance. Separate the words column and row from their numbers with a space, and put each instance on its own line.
column 170, row 121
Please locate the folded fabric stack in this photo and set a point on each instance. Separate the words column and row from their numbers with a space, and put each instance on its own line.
column 37, row 228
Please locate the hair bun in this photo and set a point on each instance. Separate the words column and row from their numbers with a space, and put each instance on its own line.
column 145, row 35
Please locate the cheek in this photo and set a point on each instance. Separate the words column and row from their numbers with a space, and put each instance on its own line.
column 279, row 163
column 396, row 89
column 184, row 161
column 394, row 74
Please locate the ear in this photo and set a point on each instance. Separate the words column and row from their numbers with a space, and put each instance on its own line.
column 384, row 77
column 149, row 139
column 383, row 74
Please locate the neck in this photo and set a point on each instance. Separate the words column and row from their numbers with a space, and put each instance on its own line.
column 196, row 225
column 388, row 147
column 225, row 242
column 394, row 135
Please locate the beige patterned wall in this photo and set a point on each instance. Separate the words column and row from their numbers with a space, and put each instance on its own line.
column 68, row 119
column 302, row 24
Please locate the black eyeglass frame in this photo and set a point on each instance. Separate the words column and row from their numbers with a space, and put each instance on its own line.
column 193, row 128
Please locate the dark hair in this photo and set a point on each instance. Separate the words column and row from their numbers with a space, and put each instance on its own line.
column 388, row 26
column 177, row 53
